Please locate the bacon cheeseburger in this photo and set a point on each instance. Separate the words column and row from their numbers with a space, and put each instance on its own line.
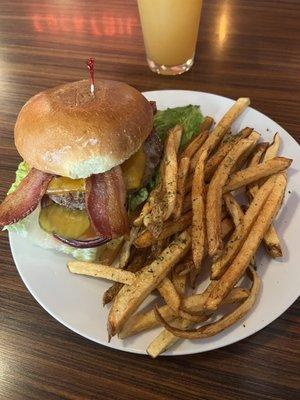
column 83, row 155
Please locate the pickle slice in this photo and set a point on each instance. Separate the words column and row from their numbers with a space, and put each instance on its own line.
column 63, row 221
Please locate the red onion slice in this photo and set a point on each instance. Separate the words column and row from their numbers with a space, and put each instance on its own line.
column 82, row 244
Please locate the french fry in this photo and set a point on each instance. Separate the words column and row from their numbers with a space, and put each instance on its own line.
column 187, row 203
column 238, row 237
column 255, row 173
column 169, row 171
column 101, row 271
column 224, row 124
column 166, row 290
column 195, row 144
column 188, row 184
column 195, row 158
column 206, row 124
column 198, row 223
column 194, row 148
column 169, row 294
column 111, row 293
column 225, row 322
column 248, row 250
column 170, row 228
column 153, row 220
column 189, row 267
column 254, row 136
column 227, row 137
column 198, row 206
column 272, row 243
column 123, row 259
column 145, row 210
column 273, row 149
column 192, row 317
column 146, row 239
column 257, row 154
column 135, row 265
column 233, row 139
column 130, row 297
column 216, row 159
column 194, row 304
column 156, row 248
column 226, row 227
column 183, row 170
column 214, row 196
column 166, row 339
column 177, row 133
column 147, row 320
column 111, row 251
column 270, row 152
column 179, row 282
column 234, row 209
column 125, row 250
column 255, row 159
column 271, row 239
column 184, row 267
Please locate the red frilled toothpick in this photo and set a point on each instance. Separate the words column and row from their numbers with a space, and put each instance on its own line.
column 91, row 67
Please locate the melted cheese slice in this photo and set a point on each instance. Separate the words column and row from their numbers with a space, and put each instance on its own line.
column 132, row 169
column 61, row 185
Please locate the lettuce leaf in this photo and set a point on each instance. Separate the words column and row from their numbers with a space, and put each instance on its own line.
column 21, row 172
column 189, row 117
column 137, row 198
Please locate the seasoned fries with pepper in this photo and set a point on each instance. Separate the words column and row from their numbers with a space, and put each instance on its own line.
column 190, row 220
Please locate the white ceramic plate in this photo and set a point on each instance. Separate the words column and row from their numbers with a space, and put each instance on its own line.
column 75, row 301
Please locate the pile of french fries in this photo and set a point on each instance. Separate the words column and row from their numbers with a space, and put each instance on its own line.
column 193, row 216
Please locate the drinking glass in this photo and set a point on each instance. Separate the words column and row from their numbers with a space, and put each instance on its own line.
column 170, row 30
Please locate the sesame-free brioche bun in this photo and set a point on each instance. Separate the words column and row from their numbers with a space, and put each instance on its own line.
column 68, row 131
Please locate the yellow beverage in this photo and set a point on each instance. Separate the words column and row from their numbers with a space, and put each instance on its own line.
column 170, row 29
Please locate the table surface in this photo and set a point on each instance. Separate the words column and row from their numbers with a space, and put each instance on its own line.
column 245, row 48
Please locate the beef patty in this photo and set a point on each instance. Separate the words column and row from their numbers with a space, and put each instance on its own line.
column 72, row 200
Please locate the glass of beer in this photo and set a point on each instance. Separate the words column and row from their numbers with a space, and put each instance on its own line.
column 170, row 30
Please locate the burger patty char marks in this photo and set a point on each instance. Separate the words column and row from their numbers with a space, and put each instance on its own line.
column 72, row 200
column 153, row 151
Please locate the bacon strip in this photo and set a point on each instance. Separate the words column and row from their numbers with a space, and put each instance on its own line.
column 25, row 198
column 105, row 200
column 153, row 105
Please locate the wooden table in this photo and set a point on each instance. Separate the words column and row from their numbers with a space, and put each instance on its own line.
column 245, row 48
